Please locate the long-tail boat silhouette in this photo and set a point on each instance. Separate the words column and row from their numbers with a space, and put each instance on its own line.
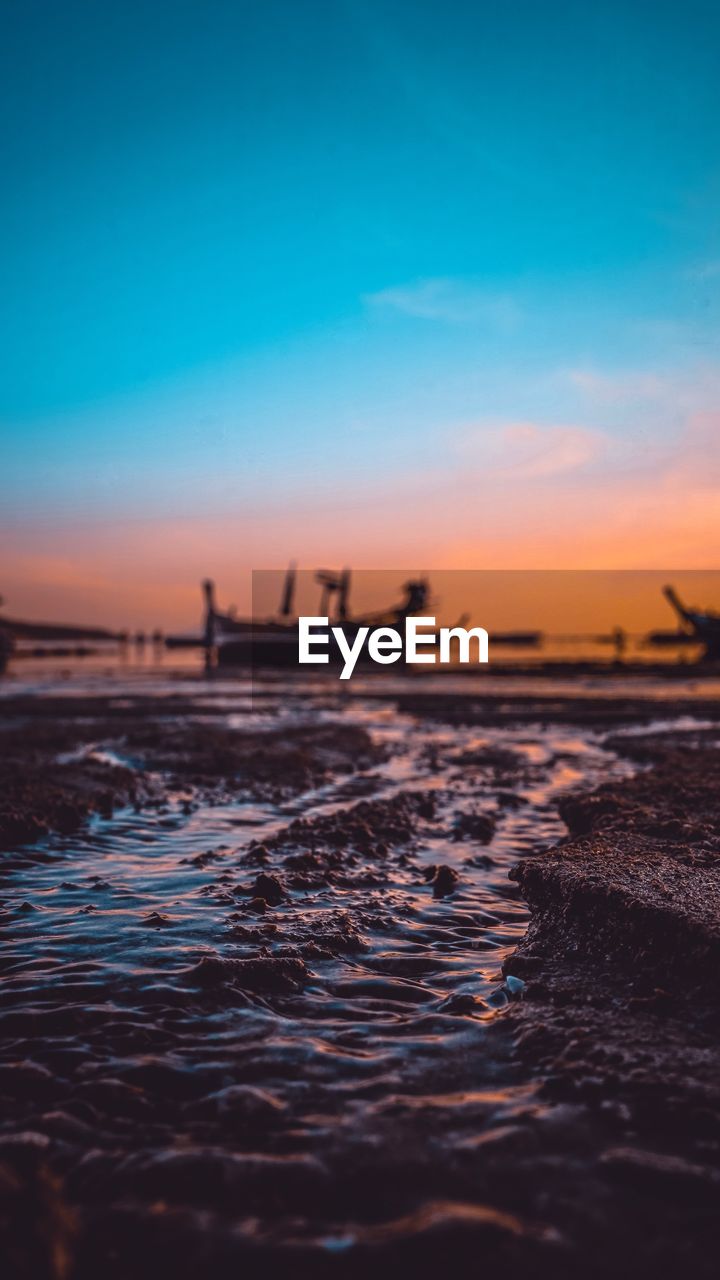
column 37, row 638
column 20, row 629
column 274, row 641
column 7, row 644
column 701, row 625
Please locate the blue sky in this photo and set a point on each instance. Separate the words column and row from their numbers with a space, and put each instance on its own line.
column 259, row 252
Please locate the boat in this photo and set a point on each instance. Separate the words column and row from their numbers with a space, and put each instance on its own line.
column 517, row 639
column 185, row 640
column 669, row 639
column 50, row 639
column 64, row 632
column 232, row 641
column 703, row 626
column 6, row 648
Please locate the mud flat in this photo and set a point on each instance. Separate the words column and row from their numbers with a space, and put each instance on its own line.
column 66, row 759
column 272, row 1003
column 621, row 1016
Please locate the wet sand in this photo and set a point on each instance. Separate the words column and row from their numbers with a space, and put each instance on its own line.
column 316, row 985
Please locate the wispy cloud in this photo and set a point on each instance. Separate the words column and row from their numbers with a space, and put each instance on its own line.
column 618, row 388
column 530, row 450
column 681, row 392
column 450, row 301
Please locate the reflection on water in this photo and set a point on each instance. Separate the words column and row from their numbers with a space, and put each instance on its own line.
column 383, row 1040
column 156, row 674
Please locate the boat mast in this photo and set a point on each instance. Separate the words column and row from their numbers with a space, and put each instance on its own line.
column 286, row 600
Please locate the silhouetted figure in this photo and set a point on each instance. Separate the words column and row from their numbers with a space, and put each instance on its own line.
column 619, row 639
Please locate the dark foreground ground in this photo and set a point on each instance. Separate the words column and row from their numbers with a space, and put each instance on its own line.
column 579, row 1133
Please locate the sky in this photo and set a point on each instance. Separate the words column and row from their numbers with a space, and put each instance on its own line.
column 423, row 284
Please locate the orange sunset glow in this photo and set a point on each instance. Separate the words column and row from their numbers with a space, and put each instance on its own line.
column 526, row 498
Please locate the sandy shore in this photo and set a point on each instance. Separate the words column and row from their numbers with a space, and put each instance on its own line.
column 322, row 1035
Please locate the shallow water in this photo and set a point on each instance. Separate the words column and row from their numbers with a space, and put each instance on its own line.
column 670, row 675
column 377, row 1072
